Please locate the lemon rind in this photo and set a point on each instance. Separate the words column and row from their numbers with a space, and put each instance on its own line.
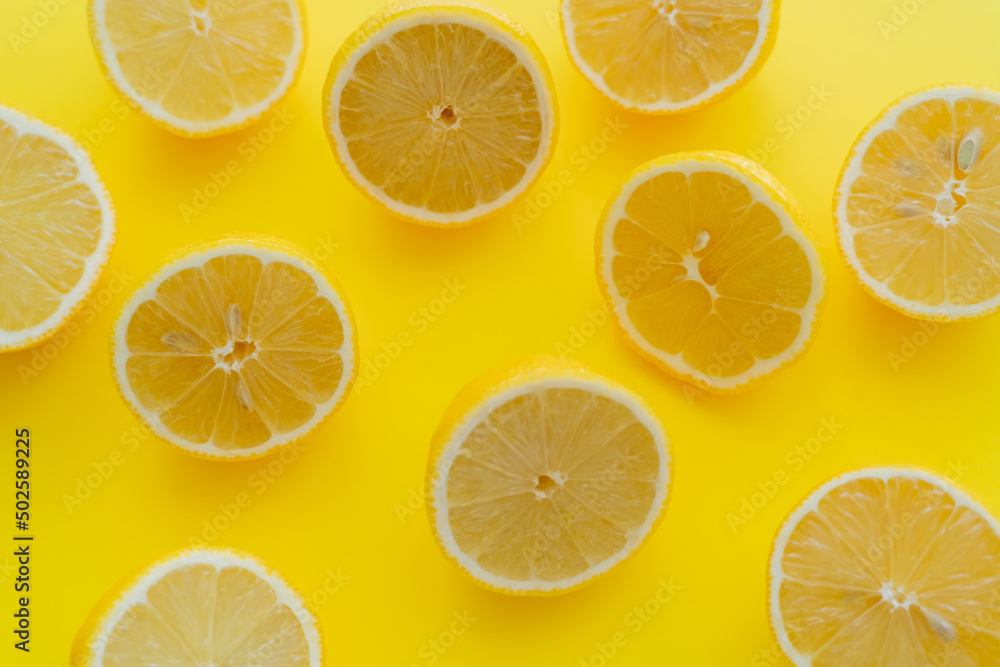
column 851, row 170
column 758, row 183
column 519, row 386
column 94, row 265
column 383, row 26
column 811, row 504
column 717, row 91
column 135, row 591
column 197, row 258
column 239, row 118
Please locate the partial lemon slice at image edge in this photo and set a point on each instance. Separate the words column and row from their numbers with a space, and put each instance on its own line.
column 440, row 112
column 236, row 348
column 917, row 205
column 200, row 67
column 201, row 607
column 887, row 566
column 669, row 56
column 710, row 269
column 57, row 227
column 543, row 476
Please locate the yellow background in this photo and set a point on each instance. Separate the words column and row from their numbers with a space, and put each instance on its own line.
column 342, row 504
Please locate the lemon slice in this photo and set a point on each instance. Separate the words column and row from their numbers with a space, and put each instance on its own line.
column 236, row 348
column 201, row 607
column 917, row 209
column 543, row 476
column 710, row 269
column 887, row 566
column 56, row 229
column 440, row 112
column 669, row 56
column 200, row 67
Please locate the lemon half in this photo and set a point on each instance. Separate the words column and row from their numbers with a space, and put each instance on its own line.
column 57, row 227
column 544, row 475
column 200, row 67
column 441, row 112
column 201, row 606
column 887, row 566
column 237, row 347
column 710, row 269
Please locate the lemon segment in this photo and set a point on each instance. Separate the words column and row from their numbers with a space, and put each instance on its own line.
column 235, row 349
column 887, row 566
column 710, row 269
column 200, row 67
column 57, row 227
column 442, row 113
column 918, row 217
column 202, row 607
column 543, row 476
column 668, row 56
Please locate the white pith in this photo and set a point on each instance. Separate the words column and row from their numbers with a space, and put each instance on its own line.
column 442, row 466
column 86, row 174
column 852, row 170
column 136, row 594
column 147, row 292
column 238, row 117
column 809, row 312
column 487, row 25
column 714, row 89
column 811, row 504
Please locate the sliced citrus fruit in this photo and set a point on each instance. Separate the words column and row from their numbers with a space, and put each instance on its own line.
column 200, row 67
column 917, row 205
column 236, row 348
column 543, row 476
column 709, row 269
column 56, row 229
column 201, row 607
column 886, row 567
column 669, row 56
column 441, row 112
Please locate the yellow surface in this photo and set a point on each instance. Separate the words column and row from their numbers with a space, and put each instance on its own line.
column 877, row 387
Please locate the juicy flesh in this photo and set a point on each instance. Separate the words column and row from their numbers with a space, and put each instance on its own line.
column 442, row 117
column 234, row 351
column 892, row 573
column 552, row 483
column 707, row 272
column 202, row 60
column 207, row 616
column 50, row 224
column 664, row 51
column 924, row 213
